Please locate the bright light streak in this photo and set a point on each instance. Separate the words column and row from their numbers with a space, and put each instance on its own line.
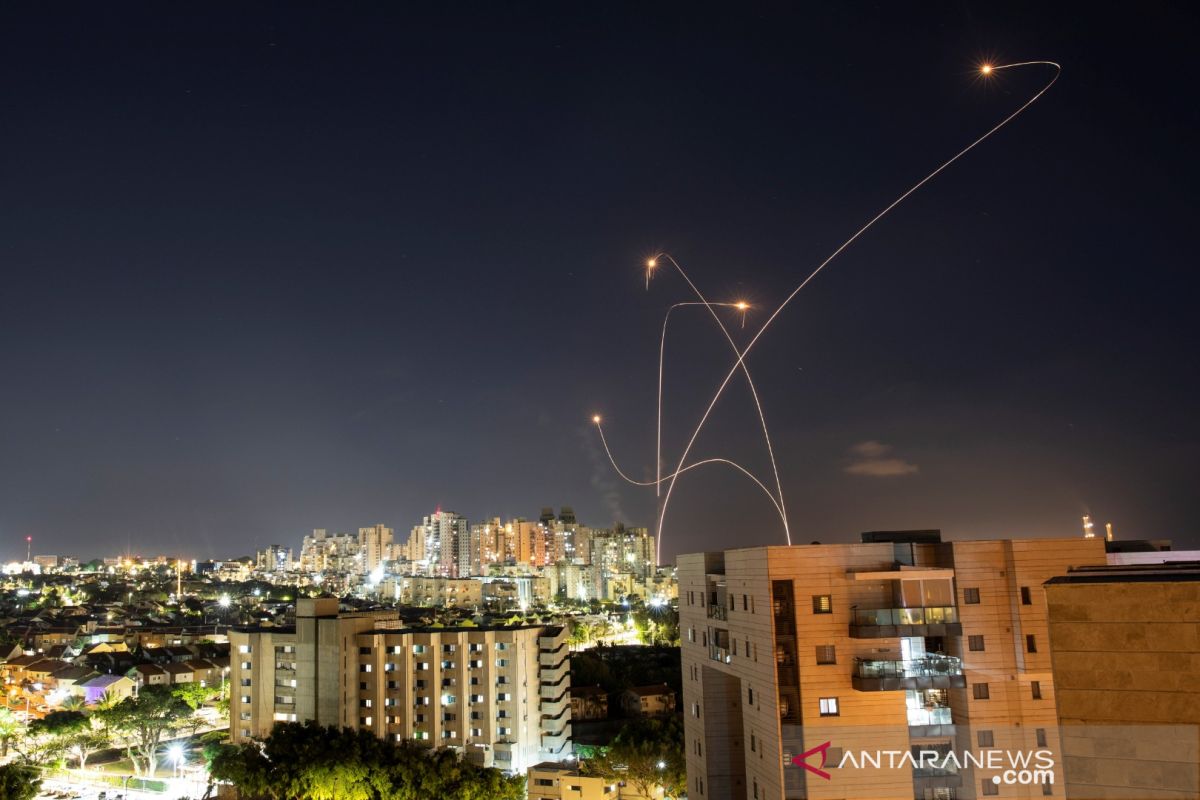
column 779, row 504
column 841, row 248
column 688, row 468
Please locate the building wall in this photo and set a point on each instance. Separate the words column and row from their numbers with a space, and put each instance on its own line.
column 1126, row 664
column 501, row 696
column 753, row 687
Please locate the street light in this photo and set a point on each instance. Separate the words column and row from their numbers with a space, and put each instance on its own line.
column 175, row 751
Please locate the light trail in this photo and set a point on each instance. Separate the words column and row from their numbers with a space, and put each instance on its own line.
column 985, row 70
column 741, row 306
column 688, row 468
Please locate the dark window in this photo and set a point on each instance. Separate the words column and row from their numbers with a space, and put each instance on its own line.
column 1047, row 788
column 970, row 596
column 1026, row 596
column 826, row 654
column 1041, row 737
column 1030, row 643
column 750, row 696
column 990, row 789
column 822, row 604
column 980, row 691
column 985, row 739
column 364, row 651
column 745, row 603
column 1036, row 686
column 975, row 643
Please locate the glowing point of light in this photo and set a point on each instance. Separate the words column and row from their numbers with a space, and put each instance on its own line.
column 596, row 419
column 651, row 263
column 986, row 69
column 661, row 765
column 224, row 601
column 175, row 751
column 741, row 305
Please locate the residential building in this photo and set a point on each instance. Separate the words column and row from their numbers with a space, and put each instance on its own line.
column 897, row 644
column 275, row 558
column 588, row 702
column 554, row 781
column 374, row 544
column 1125, row 652
column 498, row 695
column 648, row 701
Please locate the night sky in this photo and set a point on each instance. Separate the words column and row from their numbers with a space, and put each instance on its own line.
column 275, row 269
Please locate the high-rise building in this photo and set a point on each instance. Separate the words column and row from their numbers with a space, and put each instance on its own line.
column 375, row 544
column 440, row 545
column 498, row 695
column 336, row 554
column 901, row 644
column 273, row 559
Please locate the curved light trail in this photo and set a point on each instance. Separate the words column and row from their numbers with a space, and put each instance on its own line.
column 985, row 70
column 688, row 468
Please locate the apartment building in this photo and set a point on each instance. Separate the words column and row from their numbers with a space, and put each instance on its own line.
column 1125, row 644
column 498, row 695
column 902, row 644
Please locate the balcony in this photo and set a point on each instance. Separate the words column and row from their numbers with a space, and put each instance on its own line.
column 930, row 722
column 720, row 654
column 888, row 623
column 930, row 672
column 717, row 612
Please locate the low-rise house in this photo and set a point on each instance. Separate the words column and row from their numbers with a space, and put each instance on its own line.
column 552, row 780
column 648, row 701
column 94, row 689
column 179, row 672
column 66, row 677
column 144, row 675
column 588, row 702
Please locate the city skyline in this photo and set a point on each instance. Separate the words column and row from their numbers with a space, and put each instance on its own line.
column 274, row 271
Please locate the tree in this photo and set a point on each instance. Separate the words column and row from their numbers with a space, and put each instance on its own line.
column 70, row 731
column 646, row 754
column 19, row 782
column 314, row 763
column 195, row 696
column 144, row 719
column 107, row 701
column 74, row 703
column 10, row 726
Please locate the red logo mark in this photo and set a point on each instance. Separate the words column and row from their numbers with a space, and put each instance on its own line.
column 802, row 760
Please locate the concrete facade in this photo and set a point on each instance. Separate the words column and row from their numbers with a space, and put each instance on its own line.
column 500, row 696
column 886, row 645
column 1126, row 662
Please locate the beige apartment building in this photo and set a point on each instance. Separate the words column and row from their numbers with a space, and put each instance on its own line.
column 1125, row 644
column 896, row 647
column 498, row 695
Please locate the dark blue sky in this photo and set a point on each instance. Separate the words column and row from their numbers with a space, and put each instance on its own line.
column 268, row 270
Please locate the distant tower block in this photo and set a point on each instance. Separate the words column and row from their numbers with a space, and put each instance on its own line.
column 1089, row 531
column 28, row 549
column 1108, row 531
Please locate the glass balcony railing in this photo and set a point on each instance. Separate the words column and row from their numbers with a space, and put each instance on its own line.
column 935, row 715
column 719, row 654
column 717, row 612
column 927, row 667
column 933, row 615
